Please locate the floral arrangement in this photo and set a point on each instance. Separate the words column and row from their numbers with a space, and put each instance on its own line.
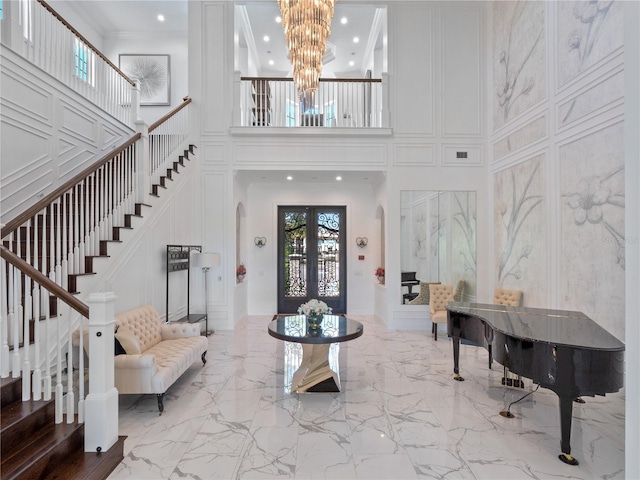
column 314, row 308
column 241, row 270
column 379, row 272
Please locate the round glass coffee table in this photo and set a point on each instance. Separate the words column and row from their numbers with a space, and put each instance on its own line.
column 315, row 373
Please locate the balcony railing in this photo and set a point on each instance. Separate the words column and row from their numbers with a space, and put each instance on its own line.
column 341, row 103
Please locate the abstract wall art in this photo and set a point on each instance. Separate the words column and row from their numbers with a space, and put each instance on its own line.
column 153, row 72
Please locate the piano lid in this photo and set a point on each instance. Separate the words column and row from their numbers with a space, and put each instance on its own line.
column 558, row 327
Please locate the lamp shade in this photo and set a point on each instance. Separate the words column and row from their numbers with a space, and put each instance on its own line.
column 205, row 260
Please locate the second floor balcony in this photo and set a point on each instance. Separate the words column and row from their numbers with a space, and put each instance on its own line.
column 273, row 103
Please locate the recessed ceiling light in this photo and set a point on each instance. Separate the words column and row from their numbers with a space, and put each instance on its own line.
column 289, row 177
column 356, row 39
column 266, row 38
column 338, row 178
column 352, row 63
column 161, row 18
column 278, row 19
column 271, row 62
column 343, row 20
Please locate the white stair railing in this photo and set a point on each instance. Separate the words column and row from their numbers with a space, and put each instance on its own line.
column 168, row 136
column 34, row 30
column 27, row 297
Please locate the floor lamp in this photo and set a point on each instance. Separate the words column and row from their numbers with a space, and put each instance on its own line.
column 205, row 261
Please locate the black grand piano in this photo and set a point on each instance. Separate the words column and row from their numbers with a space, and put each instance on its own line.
column 563, row 351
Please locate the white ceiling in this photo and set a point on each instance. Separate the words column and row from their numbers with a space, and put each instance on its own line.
column 113, row 17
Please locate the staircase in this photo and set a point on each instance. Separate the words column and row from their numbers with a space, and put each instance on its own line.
column 34, row 447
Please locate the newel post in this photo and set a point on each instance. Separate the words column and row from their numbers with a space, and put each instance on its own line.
column 135, row 102
column 101, row 405
column 143, row 163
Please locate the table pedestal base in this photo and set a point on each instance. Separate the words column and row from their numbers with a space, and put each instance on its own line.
column 314, row 373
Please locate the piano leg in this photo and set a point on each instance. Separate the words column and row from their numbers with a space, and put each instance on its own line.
column 566, row 414
column 456, row 359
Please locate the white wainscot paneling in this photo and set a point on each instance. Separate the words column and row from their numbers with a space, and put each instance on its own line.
column 128, row 280
column 213, row 153
column 531, row 132
column 461, row 155
column 462, row 71
column 325, row 154
column 414, row 155
column 26, row 97
column 185, row 205
column 74, row 159
column 26, row 167
column 413, row 81
column 109, row 137
column 214, row 33
column 216, row 230
column 604, row 94
column 77, row 123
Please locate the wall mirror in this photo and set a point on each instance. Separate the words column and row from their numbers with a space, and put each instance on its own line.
column 438, row 241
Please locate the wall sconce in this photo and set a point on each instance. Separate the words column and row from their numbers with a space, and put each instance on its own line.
column 362, row 241
column 260, row 241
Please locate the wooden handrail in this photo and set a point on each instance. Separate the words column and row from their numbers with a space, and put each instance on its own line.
column 80, row 307
column 85, row 41
column 185, row 101
column 12, row 225
column 341, row 80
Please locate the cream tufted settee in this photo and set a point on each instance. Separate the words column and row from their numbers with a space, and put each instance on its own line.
column 165, row 351
column 150, row 354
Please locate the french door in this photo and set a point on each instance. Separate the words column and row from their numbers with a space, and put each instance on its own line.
column 311, row 257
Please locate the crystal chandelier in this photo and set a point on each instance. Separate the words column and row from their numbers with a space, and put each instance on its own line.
column 307, row 26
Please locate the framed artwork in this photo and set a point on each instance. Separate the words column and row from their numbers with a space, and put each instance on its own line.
column 153, row 72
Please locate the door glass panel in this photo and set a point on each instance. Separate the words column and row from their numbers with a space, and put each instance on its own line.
column 295, row 254
column 328, row 228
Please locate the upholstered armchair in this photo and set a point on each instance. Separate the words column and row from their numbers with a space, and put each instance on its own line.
column 440, row 296
column 502, row 296
column 512, row 298
column 423, row 295
column 459, row 291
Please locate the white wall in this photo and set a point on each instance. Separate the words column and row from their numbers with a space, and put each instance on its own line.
column 173, row 44
column 262, row 214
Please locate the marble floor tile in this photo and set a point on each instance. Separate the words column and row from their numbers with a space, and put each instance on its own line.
column 400, row 415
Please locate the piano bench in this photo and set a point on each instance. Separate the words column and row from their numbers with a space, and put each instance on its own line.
column 407, row 297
